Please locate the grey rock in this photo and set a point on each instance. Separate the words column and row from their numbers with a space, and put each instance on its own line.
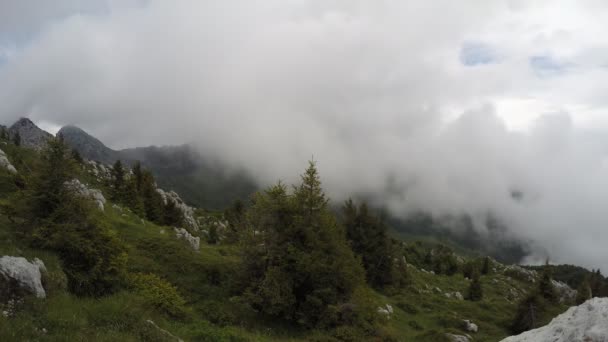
column 82, row 190
column 27, row 274
column 5, row 163
column 195, row 242
column 31, row 135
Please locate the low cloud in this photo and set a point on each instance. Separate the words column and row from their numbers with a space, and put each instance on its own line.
column 386, row 95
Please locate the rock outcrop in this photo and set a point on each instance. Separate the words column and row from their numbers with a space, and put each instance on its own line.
column 31, row 135
column 194, row 241
column 587, row 322
column 565, row 293
column 521, row 273
column 5, row 163
column 187, row 211
column 457, row 338
column 83, row 191
column 18, row 275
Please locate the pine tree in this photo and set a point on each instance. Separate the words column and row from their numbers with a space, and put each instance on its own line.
column 3, row 134
column 583, row 292
column 369, row 239
column 138, row 176
column 152, row 200
column 485, row 268
column 528, row 313
column 48, row 188
column 76, row 156
column 596, row 282
column 296, row 260
column 172, row 215
column 545, row 285
column 475, row 292
column 118, row 182
column 56, row 218
column 17, row 139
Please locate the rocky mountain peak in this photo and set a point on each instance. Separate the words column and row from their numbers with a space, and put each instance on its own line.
column 87, row 145
column 31, row 135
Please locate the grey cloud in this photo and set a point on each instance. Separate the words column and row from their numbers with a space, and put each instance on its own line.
column 375, row 91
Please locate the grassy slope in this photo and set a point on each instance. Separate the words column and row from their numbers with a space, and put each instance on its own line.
column 204, row 279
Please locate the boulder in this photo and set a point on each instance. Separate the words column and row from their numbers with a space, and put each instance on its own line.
column 187, row 211
column 195, row 242
column 565, row 293
column 5, row 163
column 470, row 326
column 457, row 338
column 521, row 273
column 16, row 274
column 587, row 322
column 83, row 191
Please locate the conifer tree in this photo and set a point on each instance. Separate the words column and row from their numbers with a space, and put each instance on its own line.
column 152, row 200
column 296, row 258
column 528, row 313
column 583, row 292
column 596, row 282
column 76, row 156
column 485, row 268
column 138, row 176
column 118, row 182
column 3, row 134
column 172, row 215
column 369, row 239
column 17, row 139
column 475, row 292
column 545, row 285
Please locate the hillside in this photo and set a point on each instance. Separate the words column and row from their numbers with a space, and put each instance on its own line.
column 199, row 181
column 430, row 307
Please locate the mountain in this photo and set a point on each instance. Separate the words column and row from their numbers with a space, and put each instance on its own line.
column 87, row 145
column 199, row 181
column 31, row 135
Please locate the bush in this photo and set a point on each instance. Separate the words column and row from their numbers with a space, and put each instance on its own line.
column 159, row 293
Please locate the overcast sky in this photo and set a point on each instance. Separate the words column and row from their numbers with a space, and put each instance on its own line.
column 446, row 106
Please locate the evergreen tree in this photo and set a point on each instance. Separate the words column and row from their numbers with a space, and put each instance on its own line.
column 172, row 215
column 475, row 292
column 132, row 199
column 93, row 259
column 485, row 268
column 213, row 237
column 596, row 282
column 369, row 239
column 545, row 285
column 138, row 176
column 3, row 134
column 235, row 215
column 17, row 139
column 77, row 157
column 152, row 200
column 296, row 260
column 528, row 314
column 118, row 182
column 583, row 292
column 48, row 188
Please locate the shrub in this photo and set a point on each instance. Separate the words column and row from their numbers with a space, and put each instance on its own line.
column 159, row 293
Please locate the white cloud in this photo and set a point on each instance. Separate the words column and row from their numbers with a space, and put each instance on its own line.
column 375, row 90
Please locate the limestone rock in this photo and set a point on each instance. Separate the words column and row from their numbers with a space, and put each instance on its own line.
column 187, row 211
column 587, row 322
column 470, row 326
column 82, row 190
column 5, row 163
column 457, row 338
column 195, row 242
column 27, row 275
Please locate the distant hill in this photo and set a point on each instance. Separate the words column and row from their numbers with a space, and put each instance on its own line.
column 200, row 181
column 31, row 135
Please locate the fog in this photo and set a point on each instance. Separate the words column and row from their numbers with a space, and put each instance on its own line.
column 434, row 106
